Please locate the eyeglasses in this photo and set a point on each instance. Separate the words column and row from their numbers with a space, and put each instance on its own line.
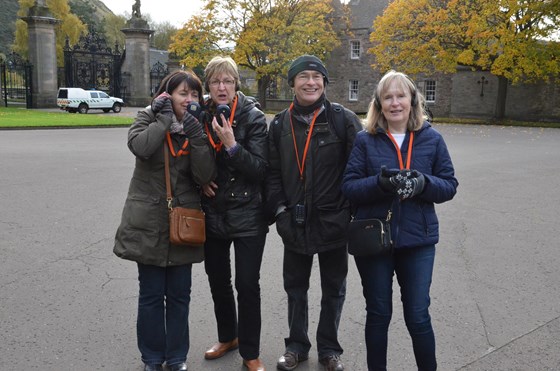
column 226, row 82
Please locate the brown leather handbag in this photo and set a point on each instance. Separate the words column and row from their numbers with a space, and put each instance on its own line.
column 186, row 226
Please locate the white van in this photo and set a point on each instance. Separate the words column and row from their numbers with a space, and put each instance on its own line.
column 79, row 100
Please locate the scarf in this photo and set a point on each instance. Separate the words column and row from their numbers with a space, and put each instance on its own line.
column 306, row 110
column 305, row 113
column 176, row 127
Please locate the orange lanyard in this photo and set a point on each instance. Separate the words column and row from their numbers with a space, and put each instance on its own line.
column 218, row 146
column 301, row 164
column 409, row 156
column 182, row 151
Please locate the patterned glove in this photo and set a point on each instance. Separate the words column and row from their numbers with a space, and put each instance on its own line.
column 191, row 127
column 162, row 104
column 411, row 183
column 388, row 180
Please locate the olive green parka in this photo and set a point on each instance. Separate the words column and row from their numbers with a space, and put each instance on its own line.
column 143, row 235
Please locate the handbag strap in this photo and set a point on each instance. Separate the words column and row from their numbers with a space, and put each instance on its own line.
column 387, row 218
column 167, row 177
column 390, row 211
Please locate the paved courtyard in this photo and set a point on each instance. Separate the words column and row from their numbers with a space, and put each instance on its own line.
column 67, row 303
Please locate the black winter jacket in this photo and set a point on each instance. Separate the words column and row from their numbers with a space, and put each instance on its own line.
column 237, row 209
column 327, row 212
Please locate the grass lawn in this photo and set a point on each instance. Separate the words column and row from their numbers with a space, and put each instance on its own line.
column 12, row 117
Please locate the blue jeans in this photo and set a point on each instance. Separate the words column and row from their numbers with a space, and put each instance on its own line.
column 162, row 325
column 333, row 267
column 413, row 267
column 217, row 263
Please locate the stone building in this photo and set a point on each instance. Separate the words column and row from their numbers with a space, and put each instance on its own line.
column 466, row 93
column 352, row 79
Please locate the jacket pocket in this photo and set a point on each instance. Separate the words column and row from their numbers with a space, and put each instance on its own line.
column 333, row 222
column 142, row 213
column 330, row 150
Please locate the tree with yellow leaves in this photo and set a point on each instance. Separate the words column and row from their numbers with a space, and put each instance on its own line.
column 261, row 35
column 70, row 26
column 516, row 40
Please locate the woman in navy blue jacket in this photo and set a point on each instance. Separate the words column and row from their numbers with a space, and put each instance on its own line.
column 399, row 162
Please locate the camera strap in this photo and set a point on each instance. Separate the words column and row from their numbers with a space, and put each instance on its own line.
column 182, row 152
column 409, row 155
column 301, row 164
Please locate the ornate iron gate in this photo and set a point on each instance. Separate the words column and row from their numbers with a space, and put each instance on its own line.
column 17, row 80
column 90, row 64
column 157, row 73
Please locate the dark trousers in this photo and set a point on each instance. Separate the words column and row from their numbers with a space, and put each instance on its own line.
column 162, row 325
column 248, row 258
column 413, row 268
column 333, row 266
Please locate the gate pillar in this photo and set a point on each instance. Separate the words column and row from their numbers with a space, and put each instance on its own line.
column 42, row 55
column 136, row 62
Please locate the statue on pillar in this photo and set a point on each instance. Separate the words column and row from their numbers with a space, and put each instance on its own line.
column 39, row 9
column 136, row 9
column 136, row 20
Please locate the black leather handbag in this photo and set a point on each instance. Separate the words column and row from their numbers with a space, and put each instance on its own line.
column 370, row 237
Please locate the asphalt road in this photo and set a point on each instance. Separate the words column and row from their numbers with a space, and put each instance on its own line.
column 67, row 303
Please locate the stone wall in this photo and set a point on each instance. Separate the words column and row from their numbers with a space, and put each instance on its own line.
column 534, row 102
column 342, row 69
column 473, row 94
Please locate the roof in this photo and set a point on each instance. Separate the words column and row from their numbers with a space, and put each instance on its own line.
column 365, row 11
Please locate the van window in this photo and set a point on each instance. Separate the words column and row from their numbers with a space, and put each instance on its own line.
column 94, row 95
column 63, row 93
column 103, row 95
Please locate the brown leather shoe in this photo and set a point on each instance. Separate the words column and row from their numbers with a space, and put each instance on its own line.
column 219, row 349
column 254, row 364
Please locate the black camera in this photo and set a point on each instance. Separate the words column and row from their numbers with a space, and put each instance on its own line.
column 194, row 109
column 299, row 214
column 222, row 109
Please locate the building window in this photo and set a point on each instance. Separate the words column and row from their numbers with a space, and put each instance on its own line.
column 353, row 90
column 355, row 49
column 430, row 90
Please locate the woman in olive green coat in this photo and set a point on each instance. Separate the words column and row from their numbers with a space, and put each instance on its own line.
column 164, row 270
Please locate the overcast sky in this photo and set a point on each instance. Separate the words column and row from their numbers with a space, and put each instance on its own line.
column 176, row 12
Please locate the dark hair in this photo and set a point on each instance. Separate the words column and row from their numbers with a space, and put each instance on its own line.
column 176, row 78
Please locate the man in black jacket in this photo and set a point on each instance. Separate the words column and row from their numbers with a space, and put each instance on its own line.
column 309, row 145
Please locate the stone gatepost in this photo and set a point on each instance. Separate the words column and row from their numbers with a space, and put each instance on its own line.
column 42, row 54
column 173, row 63
column 136, row 63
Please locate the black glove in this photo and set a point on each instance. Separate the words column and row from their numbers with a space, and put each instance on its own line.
column 162, row 104
column 411, row 183
column 191, row 127
column 387, row 180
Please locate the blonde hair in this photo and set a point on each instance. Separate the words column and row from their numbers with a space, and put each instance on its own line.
column 220, row 65
column 375, row 118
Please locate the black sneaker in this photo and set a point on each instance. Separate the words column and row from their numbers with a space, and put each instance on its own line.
column 290, row 360
column 332, row 363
